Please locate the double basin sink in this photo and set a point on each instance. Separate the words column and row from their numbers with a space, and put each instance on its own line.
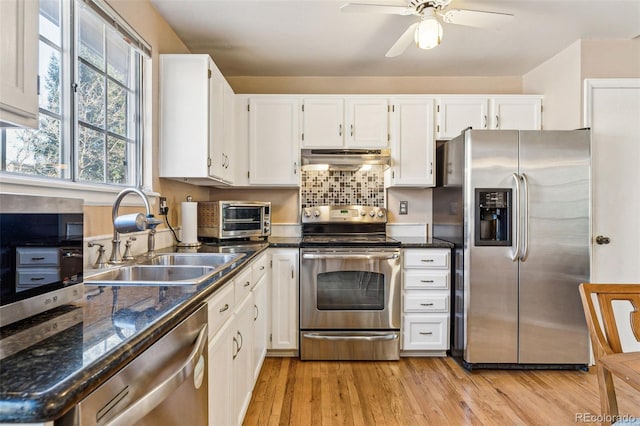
column 167, row 269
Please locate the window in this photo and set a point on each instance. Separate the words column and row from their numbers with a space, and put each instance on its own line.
column 90, row 100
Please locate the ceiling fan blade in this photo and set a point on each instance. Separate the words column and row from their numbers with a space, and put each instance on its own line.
column 403, row 42
column 376, row 8
column 476, row 18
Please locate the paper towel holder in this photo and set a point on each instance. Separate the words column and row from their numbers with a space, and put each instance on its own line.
column 194, row 220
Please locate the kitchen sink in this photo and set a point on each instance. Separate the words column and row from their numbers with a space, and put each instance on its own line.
column 167, row 270
column 152, row 275
column 217, row 260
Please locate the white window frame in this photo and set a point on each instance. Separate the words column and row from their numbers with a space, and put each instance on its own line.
column 98, row 193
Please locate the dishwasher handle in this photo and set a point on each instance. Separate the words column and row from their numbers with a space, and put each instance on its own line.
column 351, row 256
column 140, row 408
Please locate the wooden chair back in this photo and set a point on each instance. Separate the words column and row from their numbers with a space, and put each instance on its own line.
column 605, row 336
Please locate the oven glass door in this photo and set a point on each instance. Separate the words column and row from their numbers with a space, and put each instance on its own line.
column 350, row 289
column 238, row 218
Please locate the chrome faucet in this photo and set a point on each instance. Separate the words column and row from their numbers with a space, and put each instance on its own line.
column 131, row 223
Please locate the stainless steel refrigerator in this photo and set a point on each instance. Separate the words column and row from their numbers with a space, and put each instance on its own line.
column 516, row 204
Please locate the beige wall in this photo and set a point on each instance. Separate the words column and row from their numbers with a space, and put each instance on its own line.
column 561, row 78
column 377, row 85
column 558, row 79
column 420, row 203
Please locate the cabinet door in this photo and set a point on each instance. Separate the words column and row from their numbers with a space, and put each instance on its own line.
column 284, row 299
column 273, row 141
column 228, row 137
column 185, row 114
column 242, row 362
column 322, row 123
column 412, row 135
column 516, row 113
column 367, row 122
column 260, row 324
column 216, row 123
column 456, row 114
column 19, row 64
column 222, row 349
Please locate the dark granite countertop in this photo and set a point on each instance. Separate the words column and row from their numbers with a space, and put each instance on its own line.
column 50, row 362
column 283, row 242
column 423, row 242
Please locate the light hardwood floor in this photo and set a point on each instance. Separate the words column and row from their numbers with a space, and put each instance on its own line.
column 423, row 391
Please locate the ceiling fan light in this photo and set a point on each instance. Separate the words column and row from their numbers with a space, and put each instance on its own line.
column 429, row 33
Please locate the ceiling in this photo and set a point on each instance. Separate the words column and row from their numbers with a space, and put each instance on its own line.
column 314, row 38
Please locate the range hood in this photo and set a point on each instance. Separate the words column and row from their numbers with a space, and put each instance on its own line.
column 345, row 159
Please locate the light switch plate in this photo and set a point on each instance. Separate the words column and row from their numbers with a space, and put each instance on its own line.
column 404, row 207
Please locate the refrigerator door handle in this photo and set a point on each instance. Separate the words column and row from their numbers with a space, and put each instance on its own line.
column 516, row 230
column 525, row 216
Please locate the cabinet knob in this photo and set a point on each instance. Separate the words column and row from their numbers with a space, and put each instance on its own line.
column 601, row 239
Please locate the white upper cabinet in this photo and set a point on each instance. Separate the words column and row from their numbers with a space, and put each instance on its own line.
column 368, row 122
column 273, row 141
column 513, row 112
column 457, row 113
column 323, row 122
column 516, row 113
column 193, row 140
column 19, row 63
column 345, row 122
column 412, row 142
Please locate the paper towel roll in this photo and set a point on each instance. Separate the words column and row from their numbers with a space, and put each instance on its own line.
column 189, row 223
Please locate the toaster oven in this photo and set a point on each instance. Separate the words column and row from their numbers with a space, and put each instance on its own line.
column 234, row 219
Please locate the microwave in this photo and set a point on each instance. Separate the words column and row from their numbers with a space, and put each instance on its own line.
column 234, row 219
column 40, row 255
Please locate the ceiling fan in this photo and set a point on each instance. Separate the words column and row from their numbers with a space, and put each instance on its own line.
column 427, row 32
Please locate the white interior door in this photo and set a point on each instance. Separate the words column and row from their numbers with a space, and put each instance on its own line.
column 612, row 110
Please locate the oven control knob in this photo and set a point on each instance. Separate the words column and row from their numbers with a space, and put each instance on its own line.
column 363, row 213
column 307, row 213
column 316, row 213
column 380, row 213
column 372, row 213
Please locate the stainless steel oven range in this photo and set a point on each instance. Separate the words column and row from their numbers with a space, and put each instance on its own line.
column 349, row 285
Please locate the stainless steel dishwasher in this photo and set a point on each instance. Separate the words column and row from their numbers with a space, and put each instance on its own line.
column 165, row 385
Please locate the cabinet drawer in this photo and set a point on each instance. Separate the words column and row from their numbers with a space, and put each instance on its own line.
column 258, row 268
column 428, row 258
column 220, row 308
column 33, row 277
column 243, row 285
column 426, row 332
column 422, row 301
column 31, row 256
column 421, row 279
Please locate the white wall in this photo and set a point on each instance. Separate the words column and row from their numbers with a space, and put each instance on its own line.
column 558, row 79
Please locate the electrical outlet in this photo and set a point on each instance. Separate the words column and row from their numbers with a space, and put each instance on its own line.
column 164, row 209
column 404, row 207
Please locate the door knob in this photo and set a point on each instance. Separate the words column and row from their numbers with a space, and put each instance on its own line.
column 601, row 239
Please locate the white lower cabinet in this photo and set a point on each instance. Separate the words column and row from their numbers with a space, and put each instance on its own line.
column 221, row 375
column 243, row 357
column 284, row 299
column 260, row 321
column 238, row 333
column 426, row 304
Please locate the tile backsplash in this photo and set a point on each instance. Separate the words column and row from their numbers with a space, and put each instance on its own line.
column 342, row 187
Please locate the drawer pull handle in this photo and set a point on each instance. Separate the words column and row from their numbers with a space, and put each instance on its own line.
column 247, row 284
column 426, row 333
column 426, row 260
column 37, row 278
column 426, row 304
column 225, row 307
column 262, row 268
column 426, row 281
column 37, row 258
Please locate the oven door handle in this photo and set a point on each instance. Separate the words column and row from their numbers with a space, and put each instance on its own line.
column 351, row 256
column 377, row 337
